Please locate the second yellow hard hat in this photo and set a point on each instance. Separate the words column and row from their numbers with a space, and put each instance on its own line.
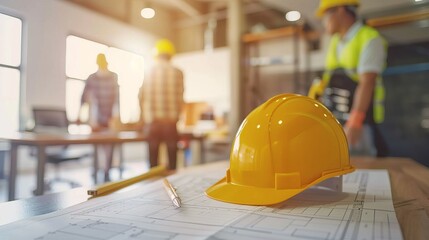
column 164, row 46
column 283, row 147
column 326, row 4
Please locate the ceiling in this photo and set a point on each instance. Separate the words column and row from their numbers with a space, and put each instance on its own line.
column 269, row 13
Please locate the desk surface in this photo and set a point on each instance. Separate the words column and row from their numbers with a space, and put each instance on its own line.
column 60, row 139
column 409, row 180
column 30, row 138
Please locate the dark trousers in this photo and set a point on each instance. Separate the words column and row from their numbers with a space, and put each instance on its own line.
column 379, row 142
column 340, row 79
column 163, row 131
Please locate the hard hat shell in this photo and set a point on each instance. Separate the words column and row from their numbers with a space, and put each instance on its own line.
column 283, row 147
column 326, row 4
column 164, row 46
column 101, row 60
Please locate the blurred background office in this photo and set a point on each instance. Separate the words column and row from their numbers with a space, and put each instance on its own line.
column 234, row 55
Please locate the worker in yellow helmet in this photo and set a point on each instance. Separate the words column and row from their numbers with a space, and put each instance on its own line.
column 351, row 85
column 101, row 92
column 161, row 102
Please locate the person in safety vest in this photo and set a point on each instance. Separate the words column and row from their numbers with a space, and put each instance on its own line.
column 351, row 86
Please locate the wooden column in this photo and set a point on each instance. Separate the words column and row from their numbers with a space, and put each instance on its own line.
column 235, row 30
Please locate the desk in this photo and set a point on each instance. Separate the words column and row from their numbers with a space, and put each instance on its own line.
column 41, row 141
column 409, row 182
column 410, row 192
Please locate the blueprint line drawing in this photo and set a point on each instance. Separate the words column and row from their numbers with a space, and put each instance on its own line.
column 364, row 210
column 314, row 214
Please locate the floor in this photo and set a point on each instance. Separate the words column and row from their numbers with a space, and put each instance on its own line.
column 77, row 172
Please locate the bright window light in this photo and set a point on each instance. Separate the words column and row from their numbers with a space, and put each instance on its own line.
column 9, row 99
column 147, row 13
column 81, row 62
column 10, row 40
column 293, row 16
column 74, row 90
column 130, row 70
column 10, row 73
column 81, row 55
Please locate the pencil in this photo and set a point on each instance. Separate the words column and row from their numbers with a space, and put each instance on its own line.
column 113, row 186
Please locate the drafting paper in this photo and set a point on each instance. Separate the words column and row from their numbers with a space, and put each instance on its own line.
column 364, row 210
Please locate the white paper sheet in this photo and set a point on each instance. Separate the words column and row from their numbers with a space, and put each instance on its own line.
column 364, row 210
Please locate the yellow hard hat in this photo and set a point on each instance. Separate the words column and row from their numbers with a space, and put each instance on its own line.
column 101, row 61
column 283, row 147
column 164, row 46
column 326, row 4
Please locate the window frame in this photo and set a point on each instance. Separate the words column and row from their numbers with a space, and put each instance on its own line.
column 21, row 98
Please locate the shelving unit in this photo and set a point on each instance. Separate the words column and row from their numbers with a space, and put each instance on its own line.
column 256, row 62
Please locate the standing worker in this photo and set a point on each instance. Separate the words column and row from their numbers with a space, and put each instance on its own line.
column 352, row 85
column 102, row 93
column 161, row 103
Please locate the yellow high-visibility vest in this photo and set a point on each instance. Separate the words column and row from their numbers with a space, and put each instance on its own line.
column 349, row 60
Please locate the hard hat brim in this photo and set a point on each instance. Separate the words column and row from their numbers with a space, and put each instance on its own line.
column 319, row 13
column 231, row 193
column 249, row 195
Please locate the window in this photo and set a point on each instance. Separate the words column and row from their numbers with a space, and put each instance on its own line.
column 10, row 74
column 81, row 57
column 129, row 67
column 81, row 62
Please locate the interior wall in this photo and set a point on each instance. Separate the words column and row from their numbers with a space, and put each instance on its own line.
column 189, row 39
column 277, row 75
column 406, row 124
column 207, row 77
column 192, row 38
column 46, row 24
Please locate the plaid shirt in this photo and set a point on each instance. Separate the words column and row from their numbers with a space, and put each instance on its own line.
column 161, row 96
column 103, row 90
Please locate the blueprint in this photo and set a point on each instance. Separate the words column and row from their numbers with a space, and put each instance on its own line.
column 364, row 210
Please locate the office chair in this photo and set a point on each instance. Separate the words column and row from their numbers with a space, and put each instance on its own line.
column 51, row 120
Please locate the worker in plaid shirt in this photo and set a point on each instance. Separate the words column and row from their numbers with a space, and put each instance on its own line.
column 102, row 93
column 161, row 103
